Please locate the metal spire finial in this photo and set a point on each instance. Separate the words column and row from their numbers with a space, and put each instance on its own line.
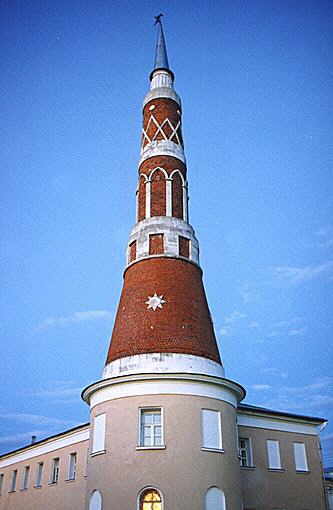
column 161, row 57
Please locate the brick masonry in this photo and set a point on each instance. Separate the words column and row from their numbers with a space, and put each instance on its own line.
column 162, row 108
column 183, row 325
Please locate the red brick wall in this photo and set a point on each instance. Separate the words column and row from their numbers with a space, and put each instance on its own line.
column 183, row 325
column 158, row 194
column 177, row 196
column 156, row 244
column 169, row 164
column 164, row 109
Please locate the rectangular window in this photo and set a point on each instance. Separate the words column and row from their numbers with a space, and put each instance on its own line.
column 301, row 462
column 25, row 478
column 98, row 444
column 55, row 471
column 1, row 482
column 245, row 453
column 273, row 454
column 156, row 244
column 132, row 251
column 14, row 478
column 72, row 467
column 39, row 474
column 184, row 247
column 211, row 429
column 151, row 427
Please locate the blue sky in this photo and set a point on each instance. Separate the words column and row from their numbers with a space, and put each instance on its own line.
column 256, row 83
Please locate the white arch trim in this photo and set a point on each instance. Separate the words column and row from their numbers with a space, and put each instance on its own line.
column 149, row 487
column 155, row 170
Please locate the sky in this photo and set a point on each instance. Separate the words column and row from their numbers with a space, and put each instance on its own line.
column 256, row 85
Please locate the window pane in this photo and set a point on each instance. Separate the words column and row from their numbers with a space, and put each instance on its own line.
column 211, row 429
column 300, row 457
column 99, row 433
column 273, row 452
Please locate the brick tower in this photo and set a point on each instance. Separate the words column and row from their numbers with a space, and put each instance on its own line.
column 163, row 405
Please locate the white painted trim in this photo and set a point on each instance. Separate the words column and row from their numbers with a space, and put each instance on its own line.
column 50, row 446
column 148, row 198
column 167, row 92
column 282, row 424
column 162, row 148
column 168, row 190
column 161, row 79
column 163, row 384
column 162, row 363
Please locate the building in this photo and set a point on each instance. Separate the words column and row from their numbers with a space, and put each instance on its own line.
column 167, row 429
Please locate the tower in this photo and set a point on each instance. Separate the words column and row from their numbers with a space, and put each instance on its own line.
column 163, row 415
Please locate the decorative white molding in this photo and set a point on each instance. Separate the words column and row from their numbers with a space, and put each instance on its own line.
column 171, row 228
column 168, row 197
column 148, row 199
column 159, row 129
column 166, row 92
column 162, row 148
column 185, row 203
column 274, row 423
column 162, row 363
column 161, row 79
column 50, row 445
column 163, row 384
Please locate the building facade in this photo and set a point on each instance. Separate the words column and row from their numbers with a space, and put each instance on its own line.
column 167, row 430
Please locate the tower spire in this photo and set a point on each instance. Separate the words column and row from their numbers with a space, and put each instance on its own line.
column 161, row 56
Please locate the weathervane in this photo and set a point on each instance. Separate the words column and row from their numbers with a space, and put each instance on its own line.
column 158, row 19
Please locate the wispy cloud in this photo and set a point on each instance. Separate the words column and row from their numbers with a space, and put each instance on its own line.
column 261, row 387
column 290, row 327
column 295, row 275
column 325, row 237
column 253, row 325
column 34, row 419
column 234, row 316
column 21, row 436
column 297, row 331
column 275, row 372
column 76, row 317
column 224, row 331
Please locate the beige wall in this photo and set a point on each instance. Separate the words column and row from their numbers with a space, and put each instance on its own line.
column 64, row 495
column 265, row 489
column 182, row 471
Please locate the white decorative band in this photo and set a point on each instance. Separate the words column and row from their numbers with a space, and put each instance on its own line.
column 167, row 92
column 270, row 423
column 171, row 228
column 162, row 148
column 47, row 447
column 162, row 363
column 163, row 384
column 160, row 79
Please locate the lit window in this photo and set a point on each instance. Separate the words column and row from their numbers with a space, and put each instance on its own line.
column 55, row 471
column 273, row 454
column 245, row 457
column 211, row 429
column 25, row 478
column 72, row 466
column 98, row 443
column 39, row 474
column 301, row 462
column 14, row 478
column 151, row 430
column 150, row 499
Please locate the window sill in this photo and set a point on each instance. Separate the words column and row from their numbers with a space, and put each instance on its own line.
column 37, row 486
column 94, row 454
column 162, row 447
column 14, row 490
column 276, row 470
column 52, row 483
column 70, row 480
column 301, row 472
column 248, row 467
column 24, row 489
column 217, row 450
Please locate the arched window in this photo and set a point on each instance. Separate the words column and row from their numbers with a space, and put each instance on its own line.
column 158, row 194
column 150, row 499
column 177, row 196
column 214, row 499
column 95, row 502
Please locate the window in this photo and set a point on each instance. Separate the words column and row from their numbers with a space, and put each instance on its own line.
column 151, row 430
column 98, row 444
column 39, row 474
column 211, row 429
column 150, row 499
column 245, row 454
column 95, row 502
column 273, row 454
column 55, row 471
column 184, row 247
column 72, row 466
column 14, row 478
column 25, row 478
column 132, row 251
column 214, row 499
column 156, row 244
column 1, row 482
column 301, row 462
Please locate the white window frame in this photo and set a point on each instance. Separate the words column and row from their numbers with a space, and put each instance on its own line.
column 300, row 457
column 219, row 447
column 98, row 434
column 25, row 478
column 39, row 474
column 271, row 454
column 13, row 481
column 55, row 470
column 247, row 449
column 140, row 442
column 72, row 464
